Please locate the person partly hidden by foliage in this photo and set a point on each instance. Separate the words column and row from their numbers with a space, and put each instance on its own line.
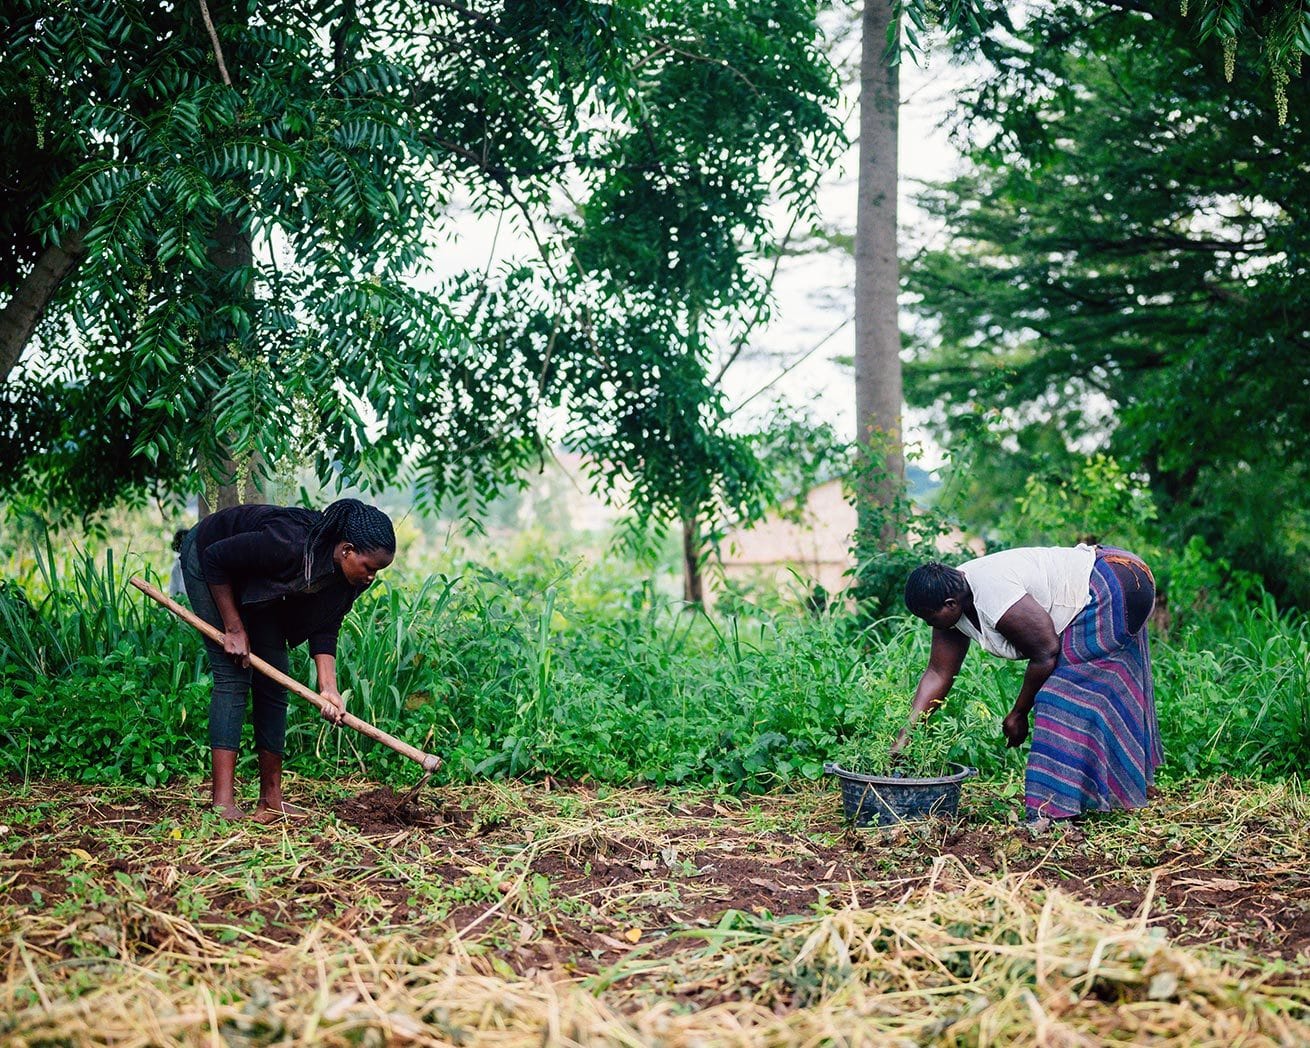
column 271, row 577
column 1078, row 615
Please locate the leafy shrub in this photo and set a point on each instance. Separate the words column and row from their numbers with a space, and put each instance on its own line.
column 128, row 717
column 1096, row 500
column 591, row 674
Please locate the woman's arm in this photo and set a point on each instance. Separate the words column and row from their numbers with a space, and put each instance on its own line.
column 944, row 661
column 243, row 555
column 1029, row 628
column 325, row 666
column 235, row 641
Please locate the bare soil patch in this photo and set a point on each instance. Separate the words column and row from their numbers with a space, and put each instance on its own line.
column 578, row 877
column 534, row 914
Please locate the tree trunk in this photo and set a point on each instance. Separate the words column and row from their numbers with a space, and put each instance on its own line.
column 237, row 482
column 22, row 313
column 235, row 485
column 236, row 493
column 878, row 391
column 693, row 583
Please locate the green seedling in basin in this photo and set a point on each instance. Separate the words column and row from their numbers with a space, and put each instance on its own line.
column 868, row 749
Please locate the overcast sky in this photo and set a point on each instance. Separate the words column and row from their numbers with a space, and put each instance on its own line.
column 816, row 293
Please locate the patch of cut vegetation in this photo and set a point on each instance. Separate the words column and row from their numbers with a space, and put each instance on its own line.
column 516, row 914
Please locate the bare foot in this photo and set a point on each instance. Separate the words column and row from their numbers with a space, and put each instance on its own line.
column 267, row 813
column 229, row 811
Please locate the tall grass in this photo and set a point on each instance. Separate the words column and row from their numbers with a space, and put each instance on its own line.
column 587, row 672
column 1237, row 692
column 94, row 684
column 83, row 607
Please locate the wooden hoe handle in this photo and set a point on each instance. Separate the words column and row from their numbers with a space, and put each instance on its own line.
column 429, row 762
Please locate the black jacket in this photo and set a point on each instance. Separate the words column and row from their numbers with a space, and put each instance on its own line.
column 260, row 552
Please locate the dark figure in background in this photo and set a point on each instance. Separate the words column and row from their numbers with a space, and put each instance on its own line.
column 176, row 581
column 1078, row 615
column 271, row 577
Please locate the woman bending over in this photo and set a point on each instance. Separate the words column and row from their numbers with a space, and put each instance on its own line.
column 272, row 577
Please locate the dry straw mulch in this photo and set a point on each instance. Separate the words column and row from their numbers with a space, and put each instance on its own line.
column 961, row 959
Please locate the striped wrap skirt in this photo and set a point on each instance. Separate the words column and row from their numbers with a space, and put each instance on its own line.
column 1096, row 741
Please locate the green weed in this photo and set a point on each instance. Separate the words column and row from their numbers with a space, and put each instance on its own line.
column 583, row 674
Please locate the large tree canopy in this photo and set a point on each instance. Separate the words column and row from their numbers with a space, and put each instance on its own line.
column 1127, row 264
column 218, row 213
column 892, row 28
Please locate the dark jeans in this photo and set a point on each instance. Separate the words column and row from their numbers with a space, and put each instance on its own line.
column 227, row 704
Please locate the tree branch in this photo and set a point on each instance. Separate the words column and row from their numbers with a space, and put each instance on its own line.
column 22, row 313
column 213, row 39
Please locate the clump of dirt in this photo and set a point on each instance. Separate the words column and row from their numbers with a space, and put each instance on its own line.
column 383, row 810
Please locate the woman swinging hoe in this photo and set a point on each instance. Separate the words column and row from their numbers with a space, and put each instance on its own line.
column 1079, row 617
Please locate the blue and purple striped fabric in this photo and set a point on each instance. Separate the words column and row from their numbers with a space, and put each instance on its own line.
column 1096, row 742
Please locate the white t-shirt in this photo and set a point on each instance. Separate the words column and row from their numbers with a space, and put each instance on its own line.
column 1057, row 577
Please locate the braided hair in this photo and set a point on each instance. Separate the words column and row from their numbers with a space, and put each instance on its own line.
column 931, row 585
column 366, row 528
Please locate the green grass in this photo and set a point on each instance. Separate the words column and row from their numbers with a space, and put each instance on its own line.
column 586, row 672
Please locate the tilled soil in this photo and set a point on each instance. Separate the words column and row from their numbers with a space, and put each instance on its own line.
column 579, row 877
